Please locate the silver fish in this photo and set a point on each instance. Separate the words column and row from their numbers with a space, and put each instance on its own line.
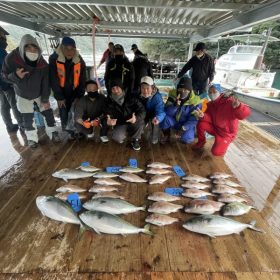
column 163, row 207
column 132, row 178
column 214, row 225
column 203, row 206
column 107, row 182
column 56, row 209
column 129, row 169
column 102, row 175
column 195, row 178
column 225, row 182
column 112, row 206
column 160, row 220
column 236, row 209
column 102, row 222
column 89, row 168
column 108, row 194
column 99, row 189
column 159, row 179
column 162, row 196
column 194, row 185
column 70, row 174
column 159, row 165
column 220, row 175
column 228, row 198
column 63, row 196
column 195, row 193
column 157, row 171
column 224, row 189
column 70, row 188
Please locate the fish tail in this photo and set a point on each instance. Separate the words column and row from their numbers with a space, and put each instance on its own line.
column 252, row 226
column 146, row 230
column 143, row 207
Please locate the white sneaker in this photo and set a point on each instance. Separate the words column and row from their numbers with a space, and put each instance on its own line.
column 90, row 136
column 104, row 139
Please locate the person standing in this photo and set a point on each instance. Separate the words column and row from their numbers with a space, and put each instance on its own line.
column 107, row 55
column 203, row 70
column 28, row 71
column 67, row 77
column 142, row 68
column 7, row 93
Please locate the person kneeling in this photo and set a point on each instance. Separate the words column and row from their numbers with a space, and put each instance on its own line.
column 220, row 120
column 152, row 100
column 125, row 113
column 180, row 113
column 89, row 113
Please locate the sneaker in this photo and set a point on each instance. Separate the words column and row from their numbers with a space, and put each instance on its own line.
column 55, row 137
column 90, row 136
column 104, row 139
column 135, row 145
column 198, row 145
column 32, row 144
column 12, row 128
column 71, row 135
column 155, row 141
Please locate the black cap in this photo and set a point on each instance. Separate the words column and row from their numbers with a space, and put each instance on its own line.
column 89, row 82
column 2, row 30
column 134, row 46
column 119, row 47
column 200, row 47
column 186, row 83
column 116, row 83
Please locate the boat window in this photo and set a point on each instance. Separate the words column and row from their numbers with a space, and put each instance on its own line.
column 249, row 49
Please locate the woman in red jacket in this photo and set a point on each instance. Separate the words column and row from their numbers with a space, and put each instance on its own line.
column 220, row 120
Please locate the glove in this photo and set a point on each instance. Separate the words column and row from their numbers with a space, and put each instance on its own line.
column 95, row 122
column 87, row 124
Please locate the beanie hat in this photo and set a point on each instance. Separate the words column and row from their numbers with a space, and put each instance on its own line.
column 119, row 47
column 67, row 41
column 116, row 83
column 89, row 82
column 200, row 47
column 186, row 83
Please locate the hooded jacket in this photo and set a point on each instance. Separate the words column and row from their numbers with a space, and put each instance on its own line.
column 124, row 112
column 224, row 117
column 183, row 114
column 67, row 92
column 154, row 107
column 3, row 85
column 34, row 84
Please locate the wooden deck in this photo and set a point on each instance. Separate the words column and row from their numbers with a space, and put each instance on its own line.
column 35, row 247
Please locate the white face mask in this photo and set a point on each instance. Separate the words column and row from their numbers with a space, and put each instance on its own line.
column 32, row 56
column 214, row 96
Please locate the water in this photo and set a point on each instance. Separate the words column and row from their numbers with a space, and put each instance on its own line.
column 276, row 83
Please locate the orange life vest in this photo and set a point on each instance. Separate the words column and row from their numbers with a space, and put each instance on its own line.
column 61, row 73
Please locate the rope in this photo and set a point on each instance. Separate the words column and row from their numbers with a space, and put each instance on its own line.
column 95, row 21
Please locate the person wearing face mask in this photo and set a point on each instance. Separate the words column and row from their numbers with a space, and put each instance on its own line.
column 67, row 78
column 120, row 68
column 152, row 100
column 180, row 113
column 220, row 120
column 28, row 71
column 203, row 70
column 89, row 113
column 7, row 93
column 125, row 114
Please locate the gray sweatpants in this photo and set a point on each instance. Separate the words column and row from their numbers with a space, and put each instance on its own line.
column 8, row 102
column 26, row 107
column 134, row 131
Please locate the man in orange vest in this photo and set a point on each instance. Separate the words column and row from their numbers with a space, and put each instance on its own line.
column 67, row 77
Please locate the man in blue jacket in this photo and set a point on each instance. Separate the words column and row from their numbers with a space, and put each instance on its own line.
column 181, row 114
column 152, row 100
column 7, row 94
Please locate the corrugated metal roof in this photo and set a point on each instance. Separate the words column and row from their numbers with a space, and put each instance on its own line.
column 131, row 18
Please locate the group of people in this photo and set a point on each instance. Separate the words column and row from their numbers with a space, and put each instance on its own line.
column 133, row 101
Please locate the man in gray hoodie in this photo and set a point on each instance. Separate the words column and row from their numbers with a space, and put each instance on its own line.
column 27, row 70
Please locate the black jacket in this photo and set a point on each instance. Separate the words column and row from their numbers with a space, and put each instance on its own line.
column 142, row 67
column 67, row 92
column 202, row 68
column 123, row 113
column 120, row 69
